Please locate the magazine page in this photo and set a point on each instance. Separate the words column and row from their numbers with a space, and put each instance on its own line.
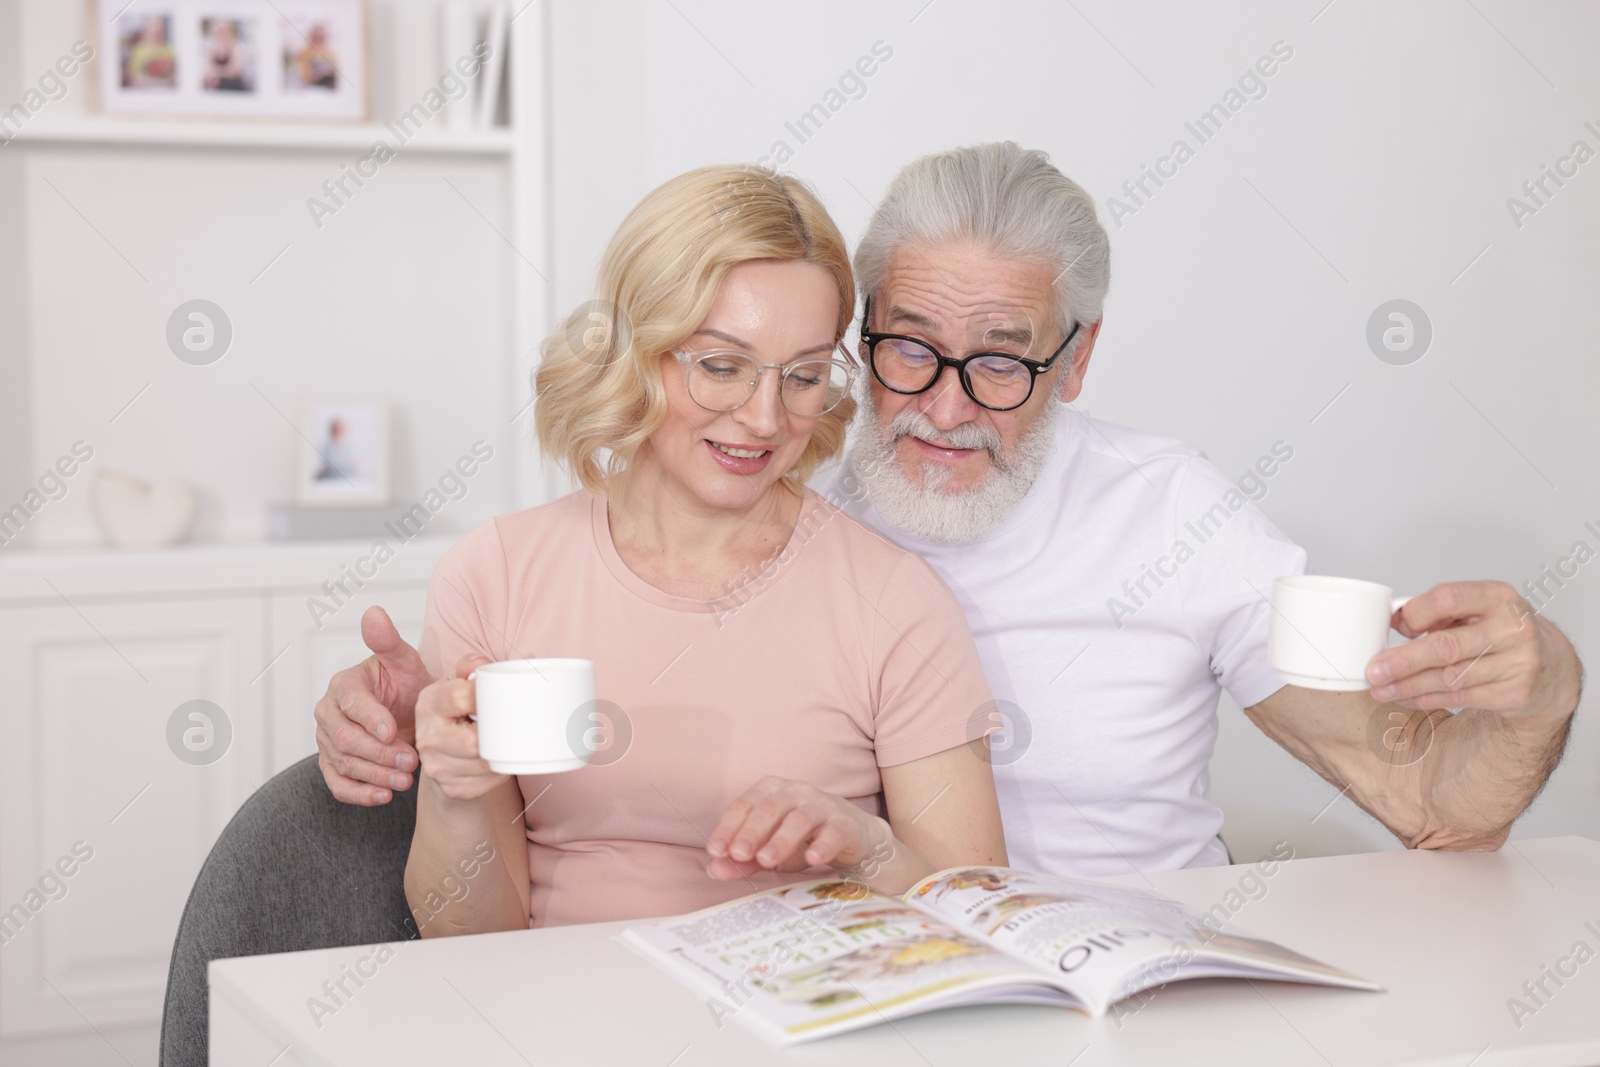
column 1105, row 942
column 817, row 958
column 1090, row 934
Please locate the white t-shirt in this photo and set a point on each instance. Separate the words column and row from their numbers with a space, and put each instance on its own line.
column 1105, row 769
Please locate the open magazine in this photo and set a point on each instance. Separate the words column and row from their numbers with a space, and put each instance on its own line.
column 818, row 958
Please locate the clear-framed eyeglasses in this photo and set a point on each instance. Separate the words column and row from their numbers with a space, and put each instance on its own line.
column 722, row 379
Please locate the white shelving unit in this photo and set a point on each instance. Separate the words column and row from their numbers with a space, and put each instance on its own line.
column 106, row 132
column 222, row 621
column 521, row 145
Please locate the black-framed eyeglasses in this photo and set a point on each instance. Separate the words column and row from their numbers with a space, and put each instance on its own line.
column 994, row 380
column 722, row 379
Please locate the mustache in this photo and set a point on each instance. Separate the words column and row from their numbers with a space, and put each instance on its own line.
column 913, row 423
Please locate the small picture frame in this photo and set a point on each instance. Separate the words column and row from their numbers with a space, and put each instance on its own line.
column 264, row 59
column 344, row 455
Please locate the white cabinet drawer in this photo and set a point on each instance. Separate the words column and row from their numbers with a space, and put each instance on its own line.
column 86, row 764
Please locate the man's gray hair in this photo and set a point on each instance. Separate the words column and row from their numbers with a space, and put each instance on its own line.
column 999, row 194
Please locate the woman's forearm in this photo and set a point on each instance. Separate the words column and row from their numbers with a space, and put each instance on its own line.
column 943, row 809
column 462, row 876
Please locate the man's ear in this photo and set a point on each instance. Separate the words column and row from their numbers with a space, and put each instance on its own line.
column 1070, row 383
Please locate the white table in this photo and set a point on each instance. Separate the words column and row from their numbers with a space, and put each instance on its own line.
column 1451, row 935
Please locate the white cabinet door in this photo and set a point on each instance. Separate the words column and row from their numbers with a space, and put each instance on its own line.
column 313, row 648
column 105, row 823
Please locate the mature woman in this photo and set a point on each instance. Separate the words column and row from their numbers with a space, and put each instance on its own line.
column 798, row 690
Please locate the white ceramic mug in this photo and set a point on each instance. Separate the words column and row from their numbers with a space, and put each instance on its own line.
column 1325, row 630
column 525, row 708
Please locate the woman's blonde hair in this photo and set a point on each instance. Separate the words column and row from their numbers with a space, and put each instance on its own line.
column 599, row 382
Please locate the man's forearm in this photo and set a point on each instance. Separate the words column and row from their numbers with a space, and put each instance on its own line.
column 1434, row 779
column 1482, row 772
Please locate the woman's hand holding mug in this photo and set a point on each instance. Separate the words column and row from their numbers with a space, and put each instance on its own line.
column 447, row 735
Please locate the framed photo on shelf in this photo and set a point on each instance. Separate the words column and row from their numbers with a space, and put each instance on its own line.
column 344, row 457
column 263, row 59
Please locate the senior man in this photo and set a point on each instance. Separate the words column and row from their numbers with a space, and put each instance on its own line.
column 1115, row 581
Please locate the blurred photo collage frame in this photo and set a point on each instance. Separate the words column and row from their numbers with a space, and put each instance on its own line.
column 263, row 59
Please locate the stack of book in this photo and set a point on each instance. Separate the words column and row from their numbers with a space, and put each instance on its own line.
column 463, row 27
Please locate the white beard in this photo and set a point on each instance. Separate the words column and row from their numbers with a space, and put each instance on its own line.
column 926, row 510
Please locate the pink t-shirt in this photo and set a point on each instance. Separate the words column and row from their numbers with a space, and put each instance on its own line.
column 847, row 654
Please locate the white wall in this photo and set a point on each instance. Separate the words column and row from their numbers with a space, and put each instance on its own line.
column 14, row 368
column 1377, row 166
column 600, row 122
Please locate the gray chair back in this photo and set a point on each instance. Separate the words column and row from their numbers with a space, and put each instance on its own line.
column 295, row 869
